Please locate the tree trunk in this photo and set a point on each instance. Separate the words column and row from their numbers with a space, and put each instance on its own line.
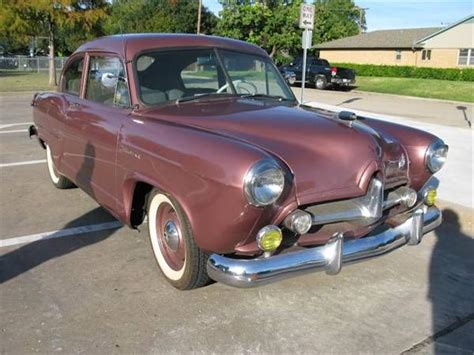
column 273, row 52
column 52, row 64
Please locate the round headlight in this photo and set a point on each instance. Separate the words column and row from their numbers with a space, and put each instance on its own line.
column 264, row 183
column 436, row 155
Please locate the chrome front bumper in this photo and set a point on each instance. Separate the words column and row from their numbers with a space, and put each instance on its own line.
column 329, row 257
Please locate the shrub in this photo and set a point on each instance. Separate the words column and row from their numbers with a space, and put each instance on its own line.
column 395, row 71
column 280, row 59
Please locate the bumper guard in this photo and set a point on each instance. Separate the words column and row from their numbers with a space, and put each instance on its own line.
column 329, row 257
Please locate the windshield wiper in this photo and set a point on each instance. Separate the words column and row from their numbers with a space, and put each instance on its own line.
column 264, row 96
column 201, row 96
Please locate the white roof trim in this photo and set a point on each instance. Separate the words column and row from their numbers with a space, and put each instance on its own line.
column 443, row 30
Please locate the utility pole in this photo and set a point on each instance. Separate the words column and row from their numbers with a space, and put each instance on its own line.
column 198, row 29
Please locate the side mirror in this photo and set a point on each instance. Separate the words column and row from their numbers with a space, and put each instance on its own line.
column 108, row 80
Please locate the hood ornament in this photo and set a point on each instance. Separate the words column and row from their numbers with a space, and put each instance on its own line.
column 347, row 117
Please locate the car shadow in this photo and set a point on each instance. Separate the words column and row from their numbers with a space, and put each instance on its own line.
column 329, row 88
column 348, row 101
column 451, row 283
column 36, row 253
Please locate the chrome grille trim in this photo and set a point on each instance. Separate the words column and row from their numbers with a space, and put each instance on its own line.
column 364, row 210
column 367, row 209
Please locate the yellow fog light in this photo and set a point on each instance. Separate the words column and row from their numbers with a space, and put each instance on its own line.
column 430, row 197
column 269, row 238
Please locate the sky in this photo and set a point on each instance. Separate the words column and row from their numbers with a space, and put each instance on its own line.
column 382, row 14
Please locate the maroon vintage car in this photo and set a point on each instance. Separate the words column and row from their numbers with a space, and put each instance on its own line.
column 238, row 181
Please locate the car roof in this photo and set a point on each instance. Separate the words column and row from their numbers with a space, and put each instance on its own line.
column 129, row 45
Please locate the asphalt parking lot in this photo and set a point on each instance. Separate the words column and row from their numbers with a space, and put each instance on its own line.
column 97, row 289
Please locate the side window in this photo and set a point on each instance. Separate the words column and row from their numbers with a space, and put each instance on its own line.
column 398, row 54
column 72, row 77
column 106, row 82
column 322, row 62
column 426, row 54
column 466, row 56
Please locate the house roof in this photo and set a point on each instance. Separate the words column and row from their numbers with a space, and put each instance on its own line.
column 469, row 19
column 402, row 38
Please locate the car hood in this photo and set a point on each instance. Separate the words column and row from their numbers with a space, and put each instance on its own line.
column 328, row 158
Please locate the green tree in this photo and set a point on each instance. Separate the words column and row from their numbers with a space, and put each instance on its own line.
column 273, row 24
column 270, row 24
column 21, row 20
column 335, row 19
column 132, row 16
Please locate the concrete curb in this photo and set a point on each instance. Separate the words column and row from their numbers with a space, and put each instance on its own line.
column 399, row 119
column 412, row 97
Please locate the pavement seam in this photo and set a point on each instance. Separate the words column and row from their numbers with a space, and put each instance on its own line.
column 443, row 332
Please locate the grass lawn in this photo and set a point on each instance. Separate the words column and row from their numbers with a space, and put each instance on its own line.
column 12, row 81
column 437, row 89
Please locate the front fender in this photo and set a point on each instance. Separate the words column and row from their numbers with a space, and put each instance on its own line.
column 415, row 142
column 203, row 171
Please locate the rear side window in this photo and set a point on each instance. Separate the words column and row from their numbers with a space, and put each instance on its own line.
column 106, row 82
column 322, row 62
column 72, row 77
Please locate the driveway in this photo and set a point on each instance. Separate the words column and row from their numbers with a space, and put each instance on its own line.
column 446, row 113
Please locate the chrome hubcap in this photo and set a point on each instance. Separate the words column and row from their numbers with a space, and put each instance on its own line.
column 171, row 235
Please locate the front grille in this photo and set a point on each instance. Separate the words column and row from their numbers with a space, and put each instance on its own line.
column 364, row 210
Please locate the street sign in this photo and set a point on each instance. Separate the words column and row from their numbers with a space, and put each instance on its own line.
column 306, row 16
column 307, row 39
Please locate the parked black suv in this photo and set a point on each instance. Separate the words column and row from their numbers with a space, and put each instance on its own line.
column 318, row 73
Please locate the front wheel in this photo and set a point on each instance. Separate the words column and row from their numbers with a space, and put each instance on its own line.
column 179, row 258
column 57, row 179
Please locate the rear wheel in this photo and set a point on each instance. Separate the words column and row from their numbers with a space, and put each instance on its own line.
column 57, row 179
column 179, row 258
column 320, row 82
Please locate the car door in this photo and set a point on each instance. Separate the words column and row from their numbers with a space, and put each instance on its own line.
column 68, row 95
column 298, row 67
column 93, row 126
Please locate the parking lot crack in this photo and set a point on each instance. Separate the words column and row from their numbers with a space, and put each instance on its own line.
column 443, row 332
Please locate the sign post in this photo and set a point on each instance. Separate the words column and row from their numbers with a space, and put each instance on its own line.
column 306, row 23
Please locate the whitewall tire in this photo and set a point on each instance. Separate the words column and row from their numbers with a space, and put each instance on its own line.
column 57, row 179
column 180, row 260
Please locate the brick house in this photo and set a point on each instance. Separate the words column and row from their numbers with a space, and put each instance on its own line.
column 438, row 47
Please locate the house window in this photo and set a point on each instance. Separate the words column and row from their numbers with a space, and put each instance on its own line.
column 466, row 56
column 398, row 54
column 426, row 54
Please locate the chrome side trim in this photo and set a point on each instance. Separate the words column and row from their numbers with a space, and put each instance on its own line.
column 330, row 257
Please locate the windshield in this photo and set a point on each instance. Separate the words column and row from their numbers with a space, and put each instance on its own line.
column 207, row 73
